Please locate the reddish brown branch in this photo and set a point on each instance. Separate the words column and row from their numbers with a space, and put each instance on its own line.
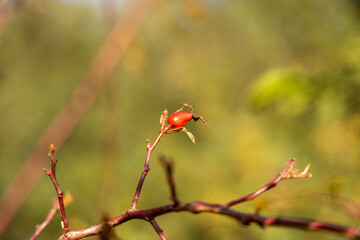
column 51, row 215
column 168, row 165
column 52, row 175
column 200, row 207
column 149, row 215
column 289, row 171
column 146, row 169
column 47, row 221
column 157, row 229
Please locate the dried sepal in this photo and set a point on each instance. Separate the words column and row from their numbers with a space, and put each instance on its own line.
column 175, row 130
column 291, row 171
column 163, row 118
column 203, row 120
column 190, row 135
column 185, row 105
column 304, row 173
column 182, row 129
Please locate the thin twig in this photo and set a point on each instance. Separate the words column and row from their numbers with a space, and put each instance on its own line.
column 200, row 207
column 149, row 215
column 289, row 171
column 168, row 165
column 52, row 175
column 146, row 168
column 46, row 222
column 158, row 229
column 55, row 207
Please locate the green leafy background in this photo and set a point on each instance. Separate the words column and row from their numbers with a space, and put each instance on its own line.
column 274, row 79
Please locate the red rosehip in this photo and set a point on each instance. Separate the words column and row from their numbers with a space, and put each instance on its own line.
column 179, row 119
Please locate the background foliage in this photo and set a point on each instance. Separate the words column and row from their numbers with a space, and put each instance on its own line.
column 275, row 79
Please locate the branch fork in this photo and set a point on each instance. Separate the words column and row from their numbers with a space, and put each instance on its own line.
column 289, row 172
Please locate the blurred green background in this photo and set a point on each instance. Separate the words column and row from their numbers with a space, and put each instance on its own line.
column 274, row 79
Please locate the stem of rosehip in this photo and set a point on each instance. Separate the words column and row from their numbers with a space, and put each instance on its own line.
column 146, row 169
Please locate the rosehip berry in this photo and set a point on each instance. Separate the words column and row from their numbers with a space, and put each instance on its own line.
column 179, row 119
